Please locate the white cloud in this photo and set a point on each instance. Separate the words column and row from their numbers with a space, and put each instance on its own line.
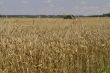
column 83, row 2
column 79, row 9
column 108, row 4
column 1, row 2
column 49, row 1
column 25, row 1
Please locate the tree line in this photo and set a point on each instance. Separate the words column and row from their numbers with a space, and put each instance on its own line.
column 54, row 16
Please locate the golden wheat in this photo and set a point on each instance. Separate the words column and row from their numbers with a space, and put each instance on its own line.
column 30, row 45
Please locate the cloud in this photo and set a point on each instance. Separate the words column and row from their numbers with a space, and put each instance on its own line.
column 55, row 6
column 49, row 1
column 25, row 1
column 108, row 4
column 88, row 9
column 83, row 2
column 1, row 2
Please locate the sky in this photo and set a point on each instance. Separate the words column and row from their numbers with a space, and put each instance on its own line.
column 54, row 7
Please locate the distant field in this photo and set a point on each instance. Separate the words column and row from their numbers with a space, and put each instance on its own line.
column 31, row 45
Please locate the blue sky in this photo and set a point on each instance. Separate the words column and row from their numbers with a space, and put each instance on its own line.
column 49, row 7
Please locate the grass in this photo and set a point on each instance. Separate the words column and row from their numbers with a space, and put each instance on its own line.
column 54, row 45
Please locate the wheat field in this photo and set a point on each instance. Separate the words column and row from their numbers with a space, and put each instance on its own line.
column 32, row 45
